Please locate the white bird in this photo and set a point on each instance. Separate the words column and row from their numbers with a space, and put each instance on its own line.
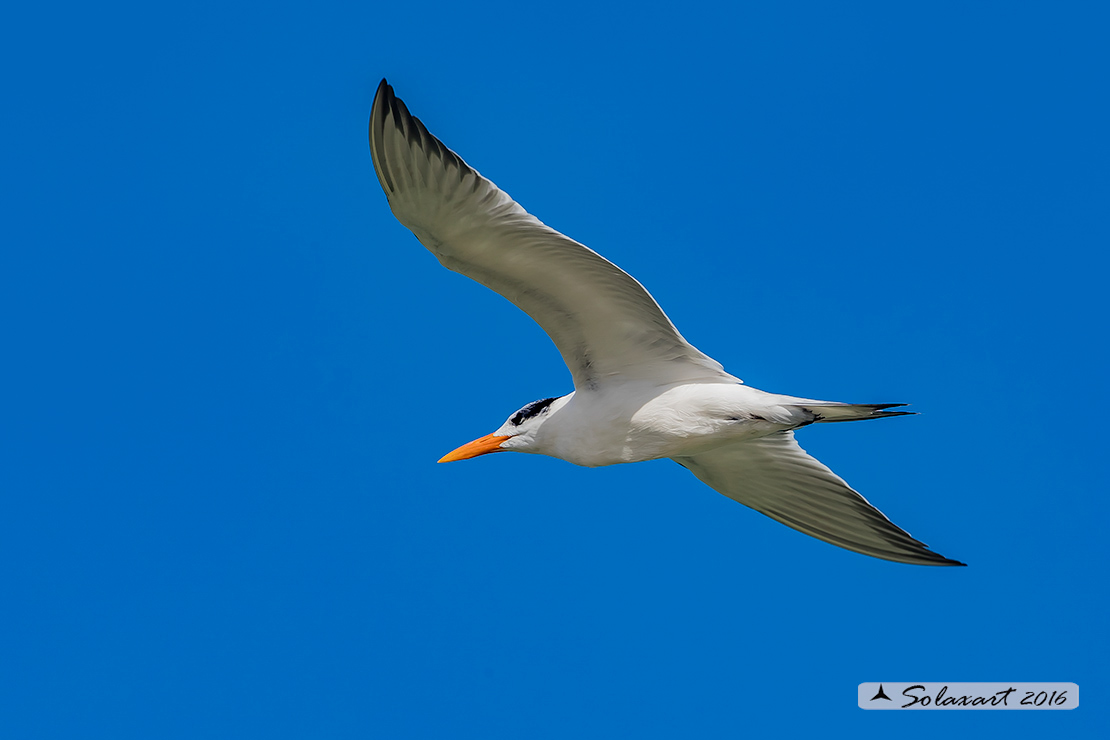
column 641, row 391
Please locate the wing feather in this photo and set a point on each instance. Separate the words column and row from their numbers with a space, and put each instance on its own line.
column 605, row 324
column 776, row 477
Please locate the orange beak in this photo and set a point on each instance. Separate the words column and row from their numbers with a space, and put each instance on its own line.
column 480, row 446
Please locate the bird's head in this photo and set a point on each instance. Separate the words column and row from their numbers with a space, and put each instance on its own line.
column 519, row 432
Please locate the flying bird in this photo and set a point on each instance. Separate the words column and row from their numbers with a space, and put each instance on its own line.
column 641, row 391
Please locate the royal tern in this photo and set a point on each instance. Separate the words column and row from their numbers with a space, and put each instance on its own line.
column 641, row 391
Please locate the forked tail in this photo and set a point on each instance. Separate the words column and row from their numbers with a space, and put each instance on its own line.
column 853, row 412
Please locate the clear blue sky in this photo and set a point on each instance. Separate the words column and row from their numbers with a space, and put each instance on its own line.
column 229, row 371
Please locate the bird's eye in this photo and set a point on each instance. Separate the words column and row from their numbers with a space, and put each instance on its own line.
column 530, row 410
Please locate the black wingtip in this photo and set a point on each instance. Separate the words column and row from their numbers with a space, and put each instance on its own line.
column 382, row 96
column 383, row 92
column 928, row 558
column 941, row 560
column 379, row 109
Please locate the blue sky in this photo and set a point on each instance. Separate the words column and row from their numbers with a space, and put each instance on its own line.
column 230, row 372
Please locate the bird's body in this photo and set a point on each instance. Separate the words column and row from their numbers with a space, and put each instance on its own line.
column 642, row 392
column 637, row 421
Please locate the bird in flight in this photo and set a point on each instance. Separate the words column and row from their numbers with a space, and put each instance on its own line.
column 641, row 391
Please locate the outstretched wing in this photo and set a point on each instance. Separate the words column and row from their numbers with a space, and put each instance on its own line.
column 776, row 477
column 603, row 322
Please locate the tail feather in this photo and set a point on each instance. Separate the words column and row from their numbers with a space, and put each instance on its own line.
column 853, row 411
